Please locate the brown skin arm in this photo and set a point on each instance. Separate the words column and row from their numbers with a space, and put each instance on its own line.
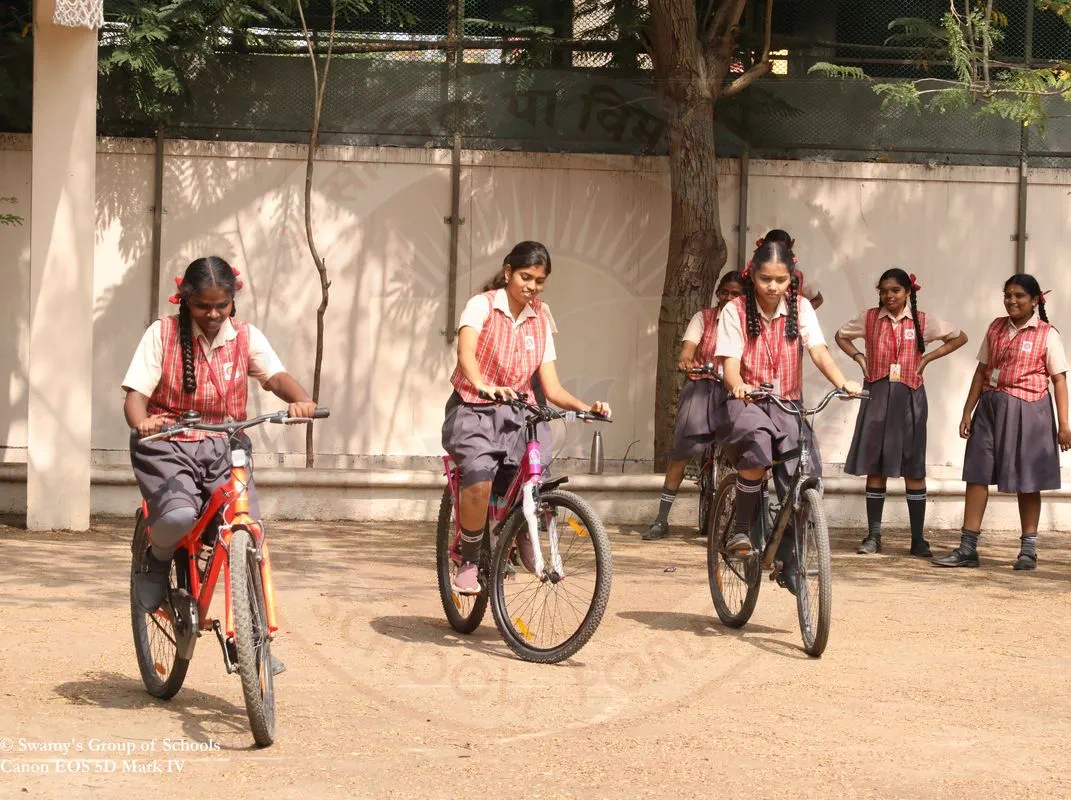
column 853, row 352
column 951, row 346
column 973, row 396
column 687, row 357
column 556, row 394
column 282, row 385
column 1059, row 389
column 817, row 302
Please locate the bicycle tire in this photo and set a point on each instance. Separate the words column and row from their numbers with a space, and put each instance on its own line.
column 723, row 569
column 251, row 637
column 707, row 487
column 463, row 612
column 815, row 632
column 162, row 671
column 515, row 639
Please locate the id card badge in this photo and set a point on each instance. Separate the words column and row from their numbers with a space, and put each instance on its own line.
column 894, row 373
column 776, row 391
column 994, row 377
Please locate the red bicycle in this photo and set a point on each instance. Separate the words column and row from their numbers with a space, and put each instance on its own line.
column 225, row 538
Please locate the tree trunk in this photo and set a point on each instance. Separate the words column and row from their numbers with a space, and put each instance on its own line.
column 697, row 250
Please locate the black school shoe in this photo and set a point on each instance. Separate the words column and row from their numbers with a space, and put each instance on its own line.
column 657, row 530
column 151, row 583
column 869, row 546
column 957, row 558
column 786, row 553
column 921, row 548
column 1025, row 562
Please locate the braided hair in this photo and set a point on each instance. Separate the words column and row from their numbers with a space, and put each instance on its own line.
column 1030, row 285
column 771, row 252
column 902, row 278
column 211, row 272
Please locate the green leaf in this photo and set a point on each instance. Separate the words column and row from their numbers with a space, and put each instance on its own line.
column 838, row 71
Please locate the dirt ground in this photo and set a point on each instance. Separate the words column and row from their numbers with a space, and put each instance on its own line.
column 935, row 683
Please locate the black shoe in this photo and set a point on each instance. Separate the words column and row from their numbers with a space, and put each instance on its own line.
column 786, row 554
column 921, row 548
column 869, row 546
column 151, row 583
column 957, row 558
column 656, row 531
column 739, row 544
column 1026, row 562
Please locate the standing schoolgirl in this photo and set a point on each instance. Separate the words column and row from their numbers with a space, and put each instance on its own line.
column 807, row 288
column 761, row 336
column 700, row 398
column 197, row 360
column 505, row 336
column 890, row 431
column 1012, row 438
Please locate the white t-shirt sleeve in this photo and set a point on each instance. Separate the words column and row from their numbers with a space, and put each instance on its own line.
column 264, row 363
column 694, row 332
column 549, row 352
column 810, row 330
column 475, row 314
column 854, row 328
column 147, row 365
column 730, row 334
column 1055, row 357
column 983, row 350
column 939, row 330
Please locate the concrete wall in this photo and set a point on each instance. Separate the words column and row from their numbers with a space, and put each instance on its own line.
column 379, row 219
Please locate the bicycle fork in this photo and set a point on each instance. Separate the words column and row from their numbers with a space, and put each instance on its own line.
column 530, row 509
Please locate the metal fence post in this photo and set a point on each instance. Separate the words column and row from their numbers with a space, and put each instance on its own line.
column 455, row 57
column 1021, row 234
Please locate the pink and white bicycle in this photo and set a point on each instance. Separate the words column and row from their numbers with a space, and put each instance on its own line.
column 547, row 613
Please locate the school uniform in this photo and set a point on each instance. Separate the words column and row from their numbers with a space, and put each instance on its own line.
column 1013, row 442
column 186, row 469
column 701, row 396
column 758, row 432
column 481, row 436
column 890, row 428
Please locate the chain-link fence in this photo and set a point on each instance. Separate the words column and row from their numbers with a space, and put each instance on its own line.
column 574, row 76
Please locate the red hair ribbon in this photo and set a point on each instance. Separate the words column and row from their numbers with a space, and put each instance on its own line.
column 914, row 282
column 795, row 260
column 176, row 298
column 747, row 270
column 1043, row 295
column 759, row 242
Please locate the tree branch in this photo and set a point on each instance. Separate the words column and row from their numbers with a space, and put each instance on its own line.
column 763, row 66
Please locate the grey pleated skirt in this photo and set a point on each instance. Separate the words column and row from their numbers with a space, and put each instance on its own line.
column 1013, row 444
column 697, row 410
column 890, row 432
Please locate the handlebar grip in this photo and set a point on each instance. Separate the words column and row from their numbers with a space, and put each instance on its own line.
column 864, row 394
column 321, row 413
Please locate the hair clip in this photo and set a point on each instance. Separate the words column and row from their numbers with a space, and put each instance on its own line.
column 914, row 282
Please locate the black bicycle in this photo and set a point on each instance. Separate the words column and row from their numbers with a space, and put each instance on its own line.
column 713, row 463
column 735, row 578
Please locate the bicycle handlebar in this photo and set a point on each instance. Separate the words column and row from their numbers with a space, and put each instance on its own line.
column 543, row 413
column 766, row 392
column 230, row 428
column 710, row 370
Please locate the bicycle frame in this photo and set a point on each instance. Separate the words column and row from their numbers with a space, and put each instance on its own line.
column 233, row 498
column 525, row 487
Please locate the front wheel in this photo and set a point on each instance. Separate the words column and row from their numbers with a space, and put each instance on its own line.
column 155, row 635
column 251, row 636
column 814, row 600
column 464, row 612
column 734, row 580
column 547, row 618
column 708, row 484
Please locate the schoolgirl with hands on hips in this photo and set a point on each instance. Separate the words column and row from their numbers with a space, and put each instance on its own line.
column 1013, row 440
column 761, row 337
column 199, row 359
column 505, row 337
column 890, row 431
column 699, row 400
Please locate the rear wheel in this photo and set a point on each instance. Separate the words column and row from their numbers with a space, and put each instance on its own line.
column 251, row 636
column 463, row 612
column 155, row 640
column 734, row 580
column 814, row 600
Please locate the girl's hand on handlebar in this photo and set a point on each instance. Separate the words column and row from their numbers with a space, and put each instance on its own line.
column 301, row 410
column 686, row 364
column 498, row 392
column 852, row 388
column 150, row 425
column 741, row 392
column 601, row 408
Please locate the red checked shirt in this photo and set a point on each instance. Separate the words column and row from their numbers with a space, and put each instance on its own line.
column 702, row 330
column 1021, row 361
column 508, row 350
